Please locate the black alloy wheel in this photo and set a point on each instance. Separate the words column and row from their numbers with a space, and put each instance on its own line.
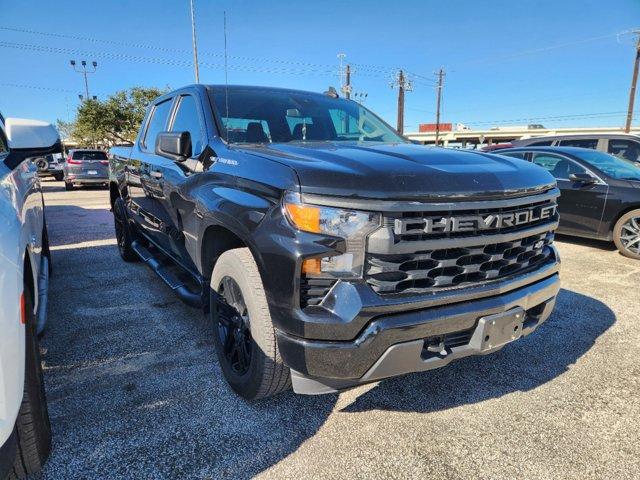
column 234, row 327
column 124, row 236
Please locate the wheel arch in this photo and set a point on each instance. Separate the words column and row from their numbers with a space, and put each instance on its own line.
column 619, row 215
column 216, row 240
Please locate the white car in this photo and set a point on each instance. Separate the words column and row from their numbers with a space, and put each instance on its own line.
column 25, row 432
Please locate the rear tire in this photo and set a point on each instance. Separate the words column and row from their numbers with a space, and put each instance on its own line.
column 263, row 373
column 124, row 232
column 33, row 428
column 626, row 234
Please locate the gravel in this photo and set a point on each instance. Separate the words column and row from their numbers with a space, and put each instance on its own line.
column 135, row 390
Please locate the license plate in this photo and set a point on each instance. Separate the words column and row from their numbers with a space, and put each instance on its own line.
column 502, row 328
column 92, row 172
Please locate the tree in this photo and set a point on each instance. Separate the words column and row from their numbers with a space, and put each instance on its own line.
column 114, row 120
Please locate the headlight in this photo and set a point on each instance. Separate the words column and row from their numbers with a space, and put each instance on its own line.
column 352, row 225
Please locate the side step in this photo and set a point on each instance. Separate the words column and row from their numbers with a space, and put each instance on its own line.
column 178, row 286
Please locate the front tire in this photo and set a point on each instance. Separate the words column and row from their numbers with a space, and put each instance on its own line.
column 244, row 335
column 124, row 232
column 626, row 234
column 33, row 427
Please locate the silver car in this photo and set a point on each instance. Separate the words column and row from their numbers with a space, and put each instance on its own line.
column 86, row 167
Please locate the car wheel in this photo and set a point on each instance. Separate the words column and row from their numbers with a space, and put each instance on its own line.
column 626, row 234
column 68, row 186
column 243, row 330
column 33, row 428
column 124, row 232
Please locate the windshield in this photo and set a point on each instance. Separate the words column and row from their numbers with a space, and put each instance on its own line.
column 261, row 115
column 612, row 166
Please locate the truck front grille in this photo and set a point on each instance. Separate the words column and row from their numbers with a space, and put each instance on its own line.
column 452, row 267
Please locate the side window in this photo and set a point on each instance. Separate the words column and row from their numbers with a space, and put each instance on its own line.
column 625, row 149
column 519, row 155
column 557, row 166
column 4, row 144
column 156, row 124
column 543, row 143
column 591, row 143
column 187, row 119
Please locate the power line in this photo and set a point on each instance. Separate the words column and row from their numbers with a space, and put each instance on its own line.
column 554, row 117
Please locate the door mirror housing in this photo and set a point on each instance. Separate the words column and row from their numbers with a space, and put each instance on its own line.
column 583, row 178
column 174, row 145
column 31, row 138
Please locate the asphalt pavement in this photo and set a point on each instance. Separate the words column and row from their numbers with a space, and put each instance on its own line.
column 135, row 390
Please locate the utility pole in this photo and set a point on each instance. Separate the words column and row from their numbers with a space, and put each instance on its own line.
column 347, row 83
column 634, row 81
column 441, row 75
column 403, row 85
column 84, row 72
column 195, row 43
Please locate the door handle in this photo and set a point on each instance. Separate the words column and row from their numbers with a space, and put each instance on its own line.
column 156, row 174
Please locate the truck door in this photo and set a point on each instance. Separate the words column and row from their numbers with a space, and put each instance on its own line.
column 175, row 207
column 141, row 173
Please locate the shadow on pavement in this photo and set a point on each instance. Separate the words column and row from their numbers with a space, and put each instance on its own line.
column 135, row 389
column 586, row 242
column 568, row 334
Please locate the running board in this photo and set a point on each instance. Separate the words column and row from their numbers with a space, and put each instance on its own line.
column 178, row 286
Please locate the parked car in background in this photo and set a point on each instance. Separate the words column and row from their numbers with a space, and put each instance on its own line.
column 25, row 432
column 86, row 167
column 328, row 250
column 51, row 165
column 622, row 145
column 600, row 193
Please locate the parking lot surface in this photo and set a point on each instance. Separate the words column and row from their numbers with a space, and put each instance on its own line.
column 135, row 390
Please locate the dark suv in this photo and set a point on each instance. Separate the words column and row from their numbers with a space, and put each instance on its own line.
column 328, row 250
column 625, row 146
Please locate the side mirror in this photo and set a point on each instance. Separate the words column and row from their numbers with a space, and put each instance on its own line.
column 32, row 137
column 583, row 178
column 174, row 145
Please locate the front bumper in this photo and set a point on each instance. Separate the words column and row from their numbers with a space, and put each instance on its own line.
column 398, row 341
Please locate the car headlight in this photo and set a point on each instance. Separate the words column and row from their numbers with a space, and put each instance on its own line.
column 352, row 225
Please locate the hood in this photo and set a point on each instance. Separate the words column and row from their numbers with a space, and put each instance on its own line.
column 403, row 171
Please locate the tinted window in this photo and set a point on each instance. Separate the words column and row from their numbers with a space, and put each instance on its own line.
column 557, row 166
column 580, row 142
column 4, row 145
column 157, row 124
column 89, row 155
column 543, row 143
column 519, row 155
column 627, row 149
column 188, row 120
column 612, row 166
column 292, row 116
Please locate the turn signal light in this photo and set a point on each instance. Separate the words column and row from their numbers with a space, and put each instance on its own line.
column 311, row 266
column 305, row 217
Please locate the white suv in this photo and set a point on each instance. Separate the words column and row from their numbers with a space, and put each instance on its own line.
column 25, row 432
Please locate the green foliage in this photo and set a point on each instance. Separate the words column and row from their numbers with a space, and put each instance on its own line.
column 114, row 120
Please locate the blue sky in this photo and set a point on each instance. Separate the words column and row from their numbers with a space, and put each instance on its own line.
column 507, row 62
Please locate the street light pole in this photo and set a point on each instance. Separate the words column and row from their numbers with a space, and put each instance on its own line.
column 84, row 73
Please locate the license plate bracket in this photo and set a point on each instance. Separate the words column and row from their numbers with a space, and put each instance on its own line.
column 501, row 328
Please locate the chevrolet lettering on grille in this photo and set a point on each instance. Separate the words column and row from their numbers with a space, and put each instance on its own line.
column 472, row 223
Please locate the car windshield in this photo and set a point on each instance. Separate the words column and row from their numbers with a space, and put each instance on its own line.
column 612, row 166
column 261, row 115
column 88, row 155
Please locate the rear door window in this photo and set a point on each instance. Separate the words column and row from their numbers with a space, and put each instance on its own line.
column 156, row 124
column 519, row 155
column 625, row 149
column 591, row 143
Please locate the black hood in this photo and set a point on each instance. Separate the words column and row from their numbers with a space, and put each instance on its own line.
column 403, row 171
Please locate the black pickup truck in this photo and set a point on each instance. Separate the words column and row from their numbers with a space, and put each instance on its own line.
column 327, row 250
